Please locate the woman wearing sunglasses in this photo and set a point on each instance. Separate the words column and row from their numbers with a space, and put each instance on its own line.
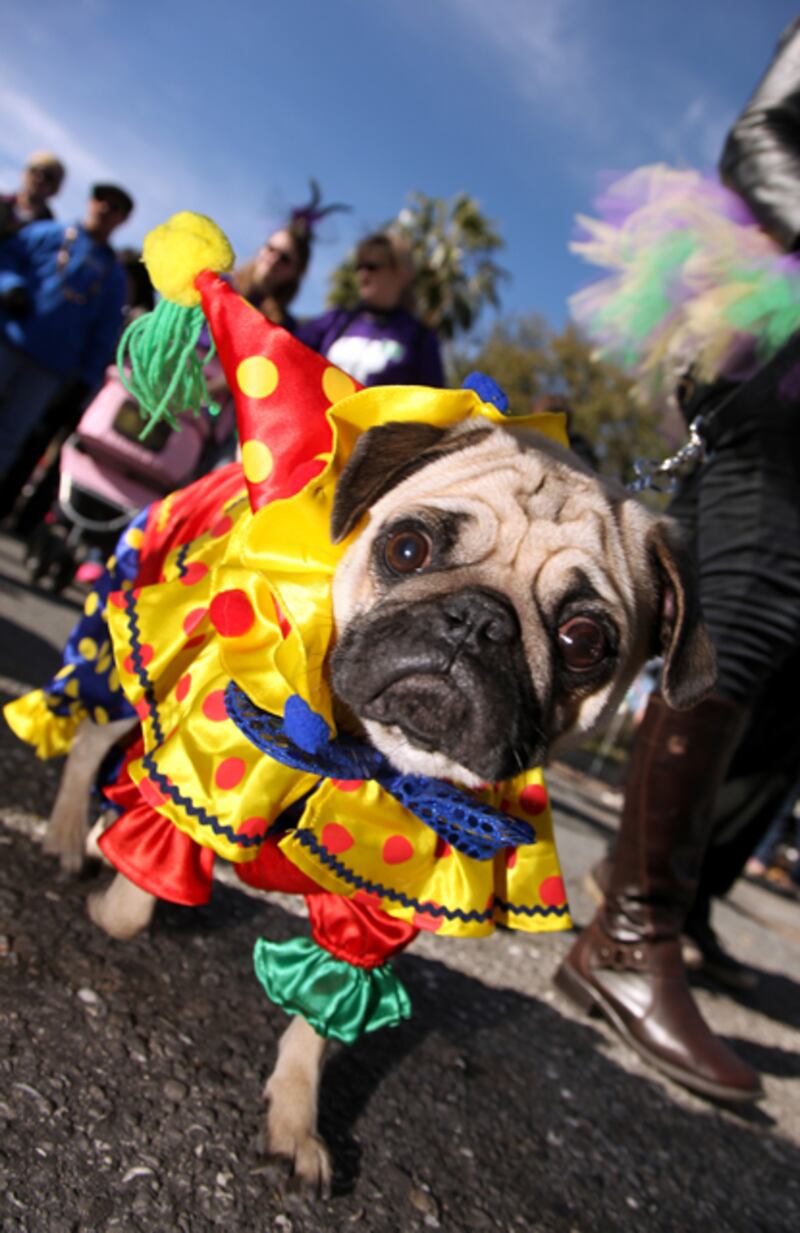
column 380, row 341
column 271, row 279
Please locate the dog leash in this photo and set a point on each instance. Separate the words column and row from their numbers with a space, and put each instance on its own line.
column 664, row 476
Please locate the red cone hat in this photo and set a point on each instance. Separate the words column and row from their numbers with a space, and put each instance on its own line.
column 282, row 391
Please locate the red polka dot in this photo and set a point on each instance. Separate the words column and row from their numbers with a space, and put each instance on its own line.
column 230, row 773
column 511, row 858
column 347, row 785
column 117, row 598
column 552, row 892
column 283, row 624
column 442, row 849
column 397, row 849
column 426, row 920
column 142, row 708
column 222, row 527
column 336, row 838
column 198, row 641
column 231, row 613
column 214, row 706
column 195, row 572
column 183, row 687
column 152, row 793
column 193, row 619
column 145, row 655
column 253, row 827
column 368, row 899
column 533, row 799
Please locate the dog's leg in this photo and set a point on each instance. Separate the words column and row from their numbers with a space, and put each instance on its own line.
column 123, row 909
column 292, row 1116
column 69, row 821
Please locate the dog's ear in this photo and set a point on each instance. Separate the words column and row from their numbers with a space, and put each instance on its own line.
column 383, row 457
column 689, row 670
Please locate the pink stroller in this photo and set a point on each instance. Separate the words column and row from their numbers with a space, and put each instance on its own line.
column 107, row 474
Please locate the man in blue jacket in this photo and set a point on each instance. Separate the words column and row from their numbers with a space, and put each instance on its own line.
column 62, row 292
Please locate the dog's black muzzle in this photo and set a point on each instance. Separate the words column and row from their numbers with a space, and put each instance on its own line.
column 451, row 673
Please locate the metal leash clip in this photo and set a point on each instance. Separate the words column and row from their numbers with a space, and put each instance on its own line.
column 664, row 476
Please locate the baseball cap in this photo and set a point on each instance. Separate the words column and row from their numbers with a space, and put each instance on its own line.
column 113, row 195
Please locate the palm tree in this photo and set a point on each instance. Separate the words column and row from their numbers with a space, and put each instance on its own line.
column 453, row 246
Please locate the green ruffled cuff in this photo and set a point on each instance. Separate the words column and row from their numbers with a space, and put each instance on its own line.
column 340, row 1001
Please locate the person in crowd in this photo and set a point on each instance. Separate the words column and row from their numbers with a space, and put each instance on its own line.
column 380, row 341
column 271, row 279
column 776, row 861
column 741, row 507
column 42, row 178
column 61, row 417
column 62, row 292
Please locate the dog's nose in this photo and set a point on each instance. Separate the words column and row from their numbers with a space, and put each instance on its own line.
column 477, row 615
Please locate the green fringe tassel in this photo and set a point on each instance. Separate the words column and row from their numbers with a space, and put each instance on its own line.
column 159, row 365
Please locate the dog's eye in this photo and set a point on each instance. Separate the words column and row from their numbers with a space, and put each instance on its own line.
column 407, row 552
column 582, row 642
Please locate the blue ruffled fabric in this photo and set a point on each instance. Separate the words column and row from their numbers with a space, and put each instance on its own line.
column 301, row 739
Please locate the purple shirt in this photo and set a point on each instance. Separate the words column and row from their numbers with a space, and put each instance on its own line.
column 376, row 348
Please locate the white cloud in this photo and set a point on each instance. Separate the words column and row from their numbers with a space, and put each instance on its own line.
column 542, row 47
column 158, row 177
column 25, row 125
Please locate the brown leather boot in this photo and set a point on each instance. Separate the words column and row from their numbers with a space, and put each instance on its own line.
column 627, row 963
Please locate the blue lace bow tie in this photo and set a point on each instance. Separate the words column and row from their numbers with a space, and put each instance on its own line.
column 302, row 740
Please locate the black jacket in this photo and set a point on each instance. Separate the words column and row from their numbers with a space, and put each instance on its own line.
column 761, row 158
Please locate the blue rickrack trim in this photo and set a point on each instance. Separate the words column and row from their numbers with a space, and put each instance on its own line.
column 531, row 910
column 180, row 559
column 162, row 783
column 309, row 840
column 138, row 665
column 196, row 811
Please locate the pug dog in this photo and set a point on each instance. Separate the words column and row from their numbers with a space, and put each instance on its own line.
column 495, row 606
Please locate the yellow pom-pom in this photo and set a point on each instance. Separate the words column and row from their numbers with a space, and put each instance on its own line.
column 180, row 249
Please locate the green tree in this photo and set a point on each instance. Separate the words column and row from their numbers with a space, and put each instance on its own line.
column 529, row 360
column 453, row 246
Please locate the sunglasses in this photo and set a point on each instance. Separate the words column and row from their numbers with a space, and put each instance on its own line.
column 372, row 267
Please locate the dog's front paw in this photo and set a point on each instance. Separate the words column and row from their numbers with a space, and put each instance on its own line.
column 68, row 844
column 307, row 1159
column 303, row 1153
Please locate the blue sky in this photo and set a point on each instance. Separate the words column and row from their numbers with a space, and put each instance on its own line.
column 229, row 109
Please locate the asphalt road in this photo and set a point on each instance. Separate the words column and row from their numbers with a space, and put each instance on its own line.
column 131, row 1074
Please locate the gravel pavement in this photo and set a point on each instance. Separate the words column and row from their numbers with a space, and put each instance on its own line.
column 131, row 1073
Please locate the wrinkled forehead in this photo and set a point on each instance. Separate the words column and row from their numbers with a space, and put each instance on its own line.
column 527, row 510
